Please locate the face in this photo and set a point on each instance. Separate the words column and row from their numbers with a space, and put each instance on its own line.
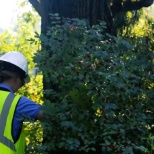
column 21, row 81
column 17, row 83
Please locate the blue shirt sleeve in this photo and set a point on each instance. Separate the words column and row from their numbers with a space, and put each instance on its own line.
column 27, row 110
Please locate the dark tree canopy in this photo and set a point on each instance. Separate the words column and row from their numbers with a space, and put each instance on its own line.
column 93, row 10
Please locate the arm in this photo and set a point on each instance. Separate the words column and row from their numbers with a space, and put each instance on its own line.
column 28, row 108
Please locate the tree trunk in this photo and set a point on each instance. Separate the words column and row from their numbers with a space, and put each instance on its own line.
column 92, row 10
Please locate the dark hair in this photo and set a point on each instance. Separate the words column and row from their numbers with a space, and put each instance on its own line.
column 6, row 66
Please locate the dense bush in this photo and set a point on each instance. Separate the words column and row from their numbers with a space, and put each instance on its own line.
column 98, row 91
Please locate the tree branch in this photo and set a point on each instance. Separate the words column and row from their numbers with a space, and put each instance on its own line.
column 136, row 5
column 37, row 5
column 128, row 5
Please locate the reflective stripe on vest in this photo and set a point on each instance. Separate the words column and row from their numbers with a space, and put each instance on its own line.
column 3, row 119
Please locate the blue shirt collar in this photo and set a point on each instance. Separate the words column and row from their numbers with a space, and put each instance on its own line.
column 6, row 87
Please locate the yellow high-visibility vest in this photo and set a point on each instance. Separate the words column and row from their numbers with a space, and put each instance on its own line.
column 8, row 103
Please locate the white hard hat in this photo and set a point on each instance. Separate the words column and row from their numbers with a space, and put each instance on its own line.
column 19, row 60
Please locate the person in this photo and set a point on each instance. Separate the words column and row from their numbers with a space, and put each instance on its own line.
column 14, row 109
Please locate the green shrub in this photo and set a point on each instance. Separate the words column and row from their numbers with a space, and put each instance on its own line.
column 98, row 91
